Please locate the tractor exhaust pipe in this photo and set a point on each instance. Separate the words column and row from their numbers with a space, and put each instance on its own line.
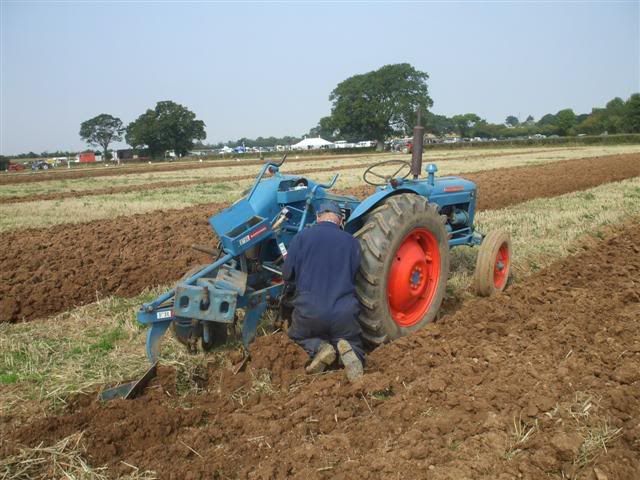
column 416, row 152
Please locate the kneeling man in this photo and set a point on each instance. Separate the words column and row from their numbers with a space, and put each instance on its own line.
column 322, row 262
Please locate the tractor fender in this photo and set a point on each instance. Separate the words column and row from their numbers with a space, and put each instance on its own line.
column 356, row 219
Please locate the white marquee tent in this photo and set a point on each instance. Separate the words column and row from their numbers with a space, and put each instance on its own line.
column 312, row 144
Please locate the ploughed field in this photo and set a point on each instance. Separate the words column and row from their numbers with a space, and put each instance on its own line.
column 542, row 381
column 44, row 271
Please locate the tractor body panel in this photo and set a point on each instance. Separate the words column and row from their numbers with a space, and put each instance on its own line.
column 455, row 197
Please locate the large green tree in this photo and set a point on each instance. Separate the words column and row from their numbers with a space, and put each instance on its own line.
column 464, row 123
column 614, row 116
column 512, row 120
column 438, row 124
column 101, row 131
column 632, row 114
column 169, row 126
column 565, row 121
column 594, row 124
column 324, row 129
column 378, row 104
column 485, row 129
column 547, row 120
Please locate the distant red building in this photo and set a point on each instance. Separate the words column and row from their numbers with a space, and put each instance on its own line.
column 86, row 157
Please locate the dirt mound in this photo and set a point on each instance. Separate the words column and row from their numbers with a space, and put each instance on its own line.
column 49, row 270
column 541, row 381
column 278, row 356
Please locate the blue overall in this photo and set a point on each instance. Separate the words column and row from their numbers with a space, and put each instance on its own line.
column 322, row 262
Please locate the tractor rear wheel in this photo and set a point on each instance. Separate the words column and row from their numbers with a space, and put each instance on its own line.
column 405, row 264
column 493, row 264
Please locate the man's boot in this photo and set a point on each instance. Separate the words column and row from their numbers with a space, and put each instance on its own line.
column 325, row 356
column 351, row 362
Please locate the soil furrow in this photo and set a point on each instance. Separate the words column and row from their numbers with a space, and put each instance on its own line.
column 542, row 381
column 50, row 270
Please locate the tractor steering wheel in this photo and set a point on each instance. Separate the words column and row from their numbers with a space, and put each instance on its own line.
column 384, row 179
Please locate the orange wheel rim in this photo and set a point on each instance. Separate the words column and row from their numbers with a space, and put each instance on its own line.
column 414, row 277
column 501, row 267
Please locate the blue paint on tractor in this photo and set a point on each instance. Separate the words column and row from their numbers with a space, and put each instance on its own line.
column 255, row 231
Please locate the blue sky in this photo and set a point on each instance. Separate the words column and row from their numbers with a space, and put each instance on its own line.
column 250, row 69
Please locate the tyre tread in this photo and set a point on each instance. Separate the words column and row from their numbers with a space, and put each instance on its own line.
column 376, row 236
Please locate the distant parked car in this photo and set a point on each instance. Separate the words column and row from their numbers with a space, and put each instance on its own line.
column 403, row 146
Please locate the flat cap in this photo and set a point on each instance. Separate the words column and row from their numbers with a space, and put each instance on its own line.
column 329, row 206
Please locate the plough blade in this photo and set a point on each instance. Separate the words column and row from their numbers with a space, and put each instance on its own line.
column 132, row 389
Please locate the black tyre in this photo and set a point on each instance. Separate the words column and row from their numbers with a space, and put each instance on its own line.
column 493, row 265
column 405, row 265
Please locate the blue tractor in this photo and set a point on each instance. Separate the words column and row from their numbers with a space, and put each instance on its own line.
column 405, row 230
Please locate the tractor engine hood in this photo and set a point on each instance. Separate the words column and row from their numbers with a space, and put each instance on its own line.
column 452, row 185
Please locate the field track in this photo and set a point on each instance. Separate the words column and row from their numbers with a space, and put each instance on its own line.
column 62, row 174
column 539, row 382
column 50, row 270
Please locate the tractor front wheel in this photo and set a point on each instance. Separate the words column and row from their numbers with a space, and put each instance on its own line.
column 493, row 264
column 405, row 264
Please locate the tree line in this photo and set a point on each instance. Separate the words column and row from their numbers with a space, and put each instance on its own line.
column 382, row 103
column 618, row 116
column 377, row 105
